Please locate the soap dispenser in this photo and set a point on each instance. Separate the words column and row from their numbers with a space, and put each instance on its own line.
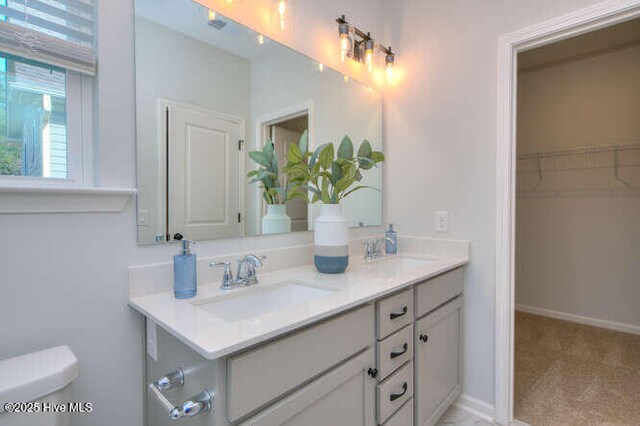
column 391, row 240
column 184, row 270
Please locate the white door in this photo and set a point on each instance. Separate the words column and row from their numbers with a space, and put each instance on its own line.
column 296, row 209
column 204, row 174
column 437, row 362
column 343, row 397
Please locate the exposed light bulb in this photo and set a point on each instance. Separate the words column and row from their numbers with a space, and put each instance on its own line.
column 345, row 40
column 389, row 60
column 212, row 15
column 368, row 54
column 345, row 44
column 282, row 12
column 320, row 66
column 260, row 39
column 345, row 78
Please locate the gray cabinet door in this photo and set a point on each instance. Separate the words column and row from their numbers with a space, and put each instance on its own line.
column 437, row 362
column 343, row 397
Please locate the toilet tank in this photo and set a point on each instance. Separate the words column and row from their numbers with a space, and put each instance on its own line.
column 43, row 378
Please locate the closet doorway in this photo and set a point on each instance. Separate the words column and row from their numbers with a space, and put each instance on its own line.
column 577, row 230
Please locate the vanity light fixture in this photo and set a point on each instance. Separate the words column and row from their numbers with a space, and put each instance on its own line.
column 361, row 47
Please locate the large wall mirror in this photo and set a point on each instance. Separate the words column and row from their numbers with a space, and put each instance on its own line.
column 208, row 91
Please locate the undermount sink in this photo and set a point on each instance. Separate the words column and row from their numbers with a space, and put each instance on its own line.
column 257, row 300
column 404, row 262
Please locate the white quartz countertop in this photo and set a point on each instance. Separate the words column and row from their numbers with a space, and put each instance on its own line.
column 214, row 337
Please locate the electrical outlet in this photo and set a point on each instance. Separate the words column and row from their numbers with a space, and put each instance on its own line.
column 143, row 217
column 442, row 221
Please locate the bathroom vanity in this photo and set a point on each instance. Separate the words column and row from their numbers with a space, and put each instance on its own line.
column 378, row 345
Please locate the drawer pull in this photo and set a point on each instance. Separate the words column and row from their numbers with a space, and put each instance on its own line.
column 393, row 315
column 404, row 350
column 373, row 372
column 395, row 396
column 424, row 338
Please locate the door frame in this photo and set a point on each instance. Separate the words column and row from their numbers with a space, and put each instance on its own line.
column 275, row 117
column 582, row 21
column 163, row 190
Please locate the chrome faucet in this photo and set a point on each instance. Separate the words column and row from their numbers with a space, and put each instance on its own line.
column 373, row 247
column 247, row 274
column 227, row 276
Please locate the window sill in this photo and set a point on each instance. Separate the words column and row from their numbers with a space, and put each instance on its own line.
column 61, row 199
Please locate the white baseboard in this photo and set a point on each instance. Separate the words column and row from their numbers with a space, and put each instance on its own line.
column 611, row 325
column 482, row 410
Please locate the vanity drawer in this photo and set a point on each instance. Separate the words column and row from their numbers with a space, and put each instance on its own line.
column 393, row 313
column 402, row 417
column 394, row 351
column 394, row 391
column 436, row 291
column 261, row 375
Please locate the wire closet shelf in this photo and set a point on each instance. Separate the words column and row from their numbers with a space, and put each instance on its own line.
column 606, row 169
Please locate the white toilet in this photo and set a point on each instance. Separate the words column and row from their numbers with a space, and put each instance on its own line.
column 39, row 377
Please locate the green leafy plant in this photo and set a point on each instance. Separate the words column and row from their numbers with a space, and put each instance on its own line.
column 277, row 189
column 332, row 176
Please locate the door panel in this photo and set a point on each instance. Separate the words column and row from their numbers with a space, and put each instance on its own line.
column 342, row 397
column 296, row 209
column 204, row 174
column 437, row 362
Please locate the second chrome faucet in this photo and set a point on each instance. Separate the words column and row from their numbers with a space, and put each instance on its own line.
column 247, row 271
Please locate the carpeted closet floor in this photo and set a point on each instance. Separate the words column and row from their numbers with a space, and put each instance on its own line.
column 572, row 374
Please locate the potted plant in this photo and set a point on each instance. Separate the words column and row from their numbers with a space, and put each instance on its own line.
column 276, row 189
column 330, row 177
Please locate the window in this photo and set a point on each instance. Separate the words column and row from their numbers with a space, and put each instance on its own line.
column 47, row 63
column 33, row 119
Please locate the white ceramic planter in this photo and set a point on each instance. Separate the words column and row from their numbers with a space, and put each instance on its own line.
column 331, row 240
column 276, row 220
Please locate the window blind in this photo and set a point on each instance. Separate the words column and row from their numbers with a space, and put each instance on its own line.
column 56, row 32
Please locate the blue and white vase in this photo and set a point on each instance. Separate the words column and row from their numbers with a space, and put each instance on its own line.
column 331, row 240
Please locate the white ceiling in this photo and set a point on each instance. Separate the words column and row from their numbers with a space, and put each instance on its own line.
column 191, row 19
column 617, row 36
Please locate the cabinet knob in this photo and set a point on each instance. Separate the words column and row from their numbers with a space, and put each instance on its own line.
column 424, row 338
column 373, row 372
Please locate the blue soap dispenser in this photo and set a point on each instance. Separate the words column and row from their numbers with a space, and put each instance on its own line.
column 391, row 240
column 185, row 280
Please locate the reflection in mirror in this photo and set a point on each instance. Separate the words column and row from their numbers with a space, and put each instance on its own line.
column 210, row 91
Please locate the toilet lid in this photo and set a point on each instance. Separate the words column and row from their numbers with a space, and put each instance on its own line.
column 32, row 376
